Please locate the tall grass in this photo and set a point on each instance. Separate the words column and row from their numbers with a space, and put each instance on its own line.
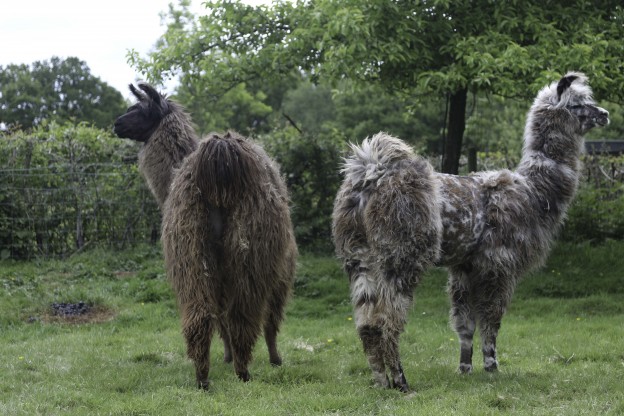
column 560, row 348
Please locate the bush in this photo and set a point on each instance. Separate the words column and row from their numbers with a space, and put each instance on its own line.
column 597, row 214
column 65, row 186
column 311, row 166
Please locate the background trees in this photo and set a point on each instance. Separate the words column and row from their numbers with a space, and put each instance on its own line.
column 442, row 49
column 58, row 89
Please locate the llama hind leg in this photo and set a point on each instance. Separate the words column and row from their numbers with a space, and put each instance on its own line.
column 369, row 329
column 379, row 326
column 395, row 310
column 463, row 321
column 275, row 316
column 243, row 331
column 227, row 348
column 372, row 341
column 393, row 362
column 198, row 329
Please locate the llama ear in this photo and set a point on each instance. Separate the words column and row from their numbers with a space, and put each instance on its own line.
column 151, row 92
column 564, row 84
column 140, row 96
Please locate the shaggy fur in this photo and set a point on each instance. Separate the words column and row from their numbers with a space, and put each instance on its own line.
column 228, row 241
column 393, row 217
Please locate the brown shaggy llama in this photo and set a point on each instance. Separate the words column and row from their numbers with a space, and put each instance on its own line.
column 394, row 217
column 228, row 241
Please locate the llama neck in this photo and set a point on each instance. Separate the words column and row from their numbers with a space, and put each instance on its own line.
column 170, row 144
column 550, row 160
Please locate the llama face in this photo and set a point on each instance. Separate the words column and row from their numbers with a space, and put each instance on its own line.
column 590, row 116
column 141, row 119
column 573, row 93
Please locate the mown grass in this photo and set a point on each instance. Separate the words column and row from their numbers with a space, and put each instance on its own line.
column 560, row 348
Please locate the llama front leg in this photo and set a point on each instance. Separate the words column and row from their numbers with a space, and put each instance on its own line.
column 495, row 296
column 198, row 328
column 463, row 321
column 489, row 333
column 489, row 325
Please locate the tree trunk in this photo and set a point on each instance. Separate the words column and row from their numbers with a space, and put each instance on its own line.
column 455, row 135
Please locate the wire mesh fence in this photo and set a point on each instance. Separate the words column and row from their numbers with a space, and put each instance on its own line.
column 58, row 209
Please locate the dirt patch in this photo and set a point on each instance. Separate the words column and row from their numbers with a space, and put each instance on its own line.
column 79, row 313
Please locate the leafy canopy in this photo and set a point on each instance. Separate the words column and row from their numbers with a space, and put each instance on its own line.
column 510, row 48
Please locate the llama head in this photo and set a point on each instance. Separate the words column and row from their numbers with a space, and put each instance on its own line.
column 142, row 119
column 573, row 93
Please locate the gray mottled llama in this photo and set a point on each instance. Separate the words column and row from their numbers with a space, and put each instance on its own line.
column 228, row 241
column 393, row 217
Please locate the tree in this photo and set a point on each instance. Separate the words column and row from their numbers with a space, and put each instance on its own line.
column 245, row 107
column 445, row 48
column 56, row 90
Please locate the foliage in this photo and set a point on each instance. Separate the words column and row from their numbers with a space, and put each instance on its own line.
column 445, row 48
column 310, row 165
column 496, row 124
column 56, row 90
column 135, row 362
column 597, row 213
column 65, row 186
column 245, row 107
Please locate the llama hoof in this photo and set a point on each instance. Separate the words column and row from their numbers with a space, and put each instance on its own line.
column 381, row 380
column 227, row 358
column 465, row 368
column 490, row 363
column 276, row 362
column 400, row 383
column 244, row 376
column 491, row 368
column 203, row 384
column 402, row 387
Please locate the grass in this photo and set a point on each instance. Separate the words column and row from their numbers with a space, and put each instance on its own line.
column 560, row 349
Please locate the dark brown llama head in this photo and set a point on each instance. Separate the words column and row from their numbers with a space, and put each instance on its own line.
column 574, row 94
column 143, row 118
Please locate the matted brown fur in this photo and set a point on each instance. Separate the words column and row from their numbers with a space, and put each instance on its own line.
column 229, row 249
column 227, row 236
column 393, row 217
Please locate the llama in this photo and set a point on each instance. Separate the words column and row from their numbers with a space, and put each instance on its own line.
column 394, row 217
column 228, row 241
column 167, row 135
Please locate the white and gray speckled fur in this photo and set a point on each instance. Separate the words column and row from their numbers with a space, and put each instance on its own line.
column 394, row 217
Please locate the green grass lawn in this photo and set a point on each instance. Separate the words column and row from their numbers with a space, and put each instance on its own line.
column 561, row 347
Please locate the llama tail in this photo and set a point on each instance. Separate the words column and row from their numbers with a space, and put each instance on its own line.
column 225, row 168
column 371, row 160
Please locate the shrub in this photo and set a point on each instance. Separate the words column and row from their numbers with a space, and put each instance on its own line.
column 311, row 166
